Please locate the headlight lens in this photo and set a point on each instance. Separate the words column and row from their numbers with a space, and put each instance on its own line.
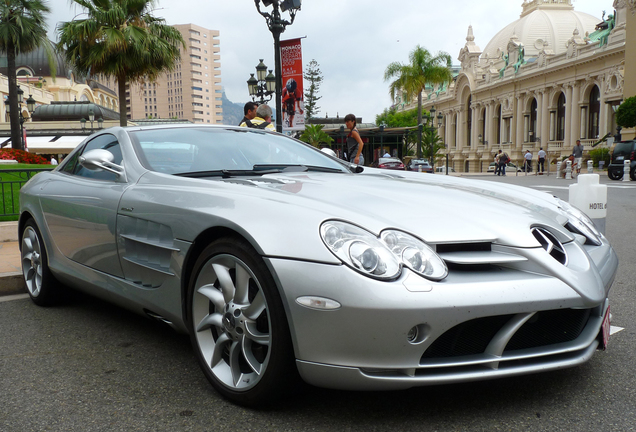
column 581, row 222
column 381, row 258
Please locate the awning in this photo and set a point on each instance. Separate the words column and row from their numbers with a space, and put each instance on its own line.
column 53, row 144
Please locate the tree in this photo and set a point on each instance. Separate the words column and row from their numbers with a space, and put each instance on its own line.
column 314, row 76
column 315, row 136
column 22, row 29
column 393, row 118
column 120, row 39
column 411, row 79
column 431, row 142
column 626, row 113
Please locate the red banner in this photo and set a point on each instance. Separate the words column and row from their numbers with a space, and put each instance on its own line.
column 292, row 99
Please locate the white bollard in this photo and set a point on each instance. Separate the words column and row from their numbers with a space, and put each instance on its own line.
column 626, row 167
column 559, row 170
column 419, row 168
column 568, row 170
column 591, row 198
column 590, row 167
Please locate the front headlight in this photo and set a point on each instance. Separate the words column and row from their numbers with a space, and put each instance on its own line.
column 383, row 257
column 581, row 222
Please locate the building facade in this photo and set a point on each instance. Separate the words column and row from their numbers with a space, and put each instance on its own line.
column 192, row 91
column 553, row 76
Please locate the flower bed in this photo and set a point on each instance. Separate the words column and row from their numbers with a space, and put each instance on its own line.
column 22, row 156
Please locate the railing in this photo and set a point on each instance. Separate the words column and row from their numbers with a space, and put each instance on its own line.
column 10, row 183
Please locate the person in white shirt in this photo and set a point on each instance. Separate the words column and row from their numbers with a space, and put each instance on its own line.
column 542, row 155
column 53, row 160
column 386, row 154
column 527, row 163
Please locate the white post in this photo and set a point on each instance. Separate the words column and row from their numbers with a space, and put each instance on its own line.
column 419, row 168
column 568, row 170
column 590, row 166
column 558, row 169
column 626, row 167
column 591, row 198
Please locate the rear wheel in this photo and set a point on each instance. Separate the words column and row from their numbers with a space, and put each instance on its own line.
column 614, row 174
column 238, row 326
column 42, row 286
column 632, row 173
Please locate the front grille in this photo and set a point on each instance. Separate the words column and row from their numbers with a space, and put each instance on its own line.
column 550, row 327
column 468, row 338
column 544, row 328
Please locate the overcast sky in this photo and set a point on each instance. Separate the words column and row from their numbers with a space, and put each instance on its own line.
column 352, row 40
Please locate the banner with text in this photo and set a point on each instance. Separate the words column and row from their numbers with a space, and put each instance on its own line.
column 292, row 74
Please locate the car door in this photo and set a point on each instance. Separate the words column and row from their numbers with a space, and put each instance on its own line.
column 80, row 209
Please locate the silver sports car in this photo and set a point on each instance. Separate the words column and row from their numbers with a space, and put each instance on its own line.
column 279, row 263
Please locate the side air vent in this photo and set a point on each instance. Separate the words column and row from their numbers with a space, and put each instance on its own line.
column 550, row 243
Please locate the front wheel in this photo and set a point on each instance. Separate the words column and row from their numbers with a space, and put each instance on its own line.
column 42, row 286
column 238, row 326
column 614, row 174
column 632, row 173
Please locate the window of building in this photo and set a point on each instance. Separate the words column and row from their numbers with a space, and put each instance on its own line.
column 560, row 132
column 595, row 112
column 533, row 120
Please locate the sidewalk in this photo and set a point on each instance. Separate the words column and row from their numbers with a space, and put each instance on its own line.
column 11, row 281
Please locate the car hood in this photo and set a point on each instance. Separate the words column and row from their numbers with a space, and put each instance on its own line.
column 438, row 209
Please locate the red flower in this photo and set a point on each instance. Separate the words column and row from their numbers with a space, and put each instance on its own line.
column 22, row 157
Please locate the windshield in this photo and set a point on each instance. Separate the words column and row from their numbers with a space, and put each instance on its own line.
column 211, row 150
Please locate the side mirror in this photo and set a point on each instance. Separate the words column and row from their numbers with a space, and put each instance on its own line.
column 99, row 159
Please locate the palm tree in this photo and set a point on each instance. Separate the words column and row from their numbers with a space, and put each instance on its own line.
column 315, row 136
column 411, row 79
column 22, row 29
column 120, row 39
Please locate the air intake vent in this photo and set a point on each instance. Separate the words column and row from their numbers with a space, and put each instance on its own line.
column 551, row 245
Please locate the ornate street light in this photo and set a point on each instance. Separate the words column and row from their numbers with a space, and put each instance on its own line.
column 276, row 26
column 263, row 86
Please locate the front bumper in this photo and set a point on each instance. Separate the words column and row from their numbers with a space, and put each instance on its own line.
column 368, row 342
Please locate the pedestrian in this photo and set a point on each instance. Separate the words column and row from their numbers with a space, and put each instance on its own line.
column 527, row 161
column 53, row 160
column 497, row 167
column 541, row 163
column 249, row 112
column 578, row 155
column 386, row 154
column 354, row 142
column 564, row 167
column 503, row 161
column 262, row 120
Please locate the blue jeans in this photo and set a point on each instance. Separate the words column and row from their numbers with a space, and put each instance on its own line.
column 361, row 160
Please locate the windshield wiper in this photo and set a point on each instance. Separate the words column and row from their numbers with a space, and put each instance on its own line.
column 257, row 170
column 296, row 168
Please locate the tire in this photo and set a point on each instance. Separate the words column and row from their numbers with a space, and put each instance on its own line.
column 238, row 326
column 615, row 174
column 632, row 173
column 42, row 286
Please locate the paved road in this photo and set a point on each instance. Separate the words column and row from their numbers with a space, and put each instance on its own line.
column 89, row 366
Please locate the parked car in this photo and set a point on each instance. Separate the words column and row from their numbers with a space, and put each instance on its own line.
column 279, row 263
column 509, row 166
column 388, row 163
column 624, row 150
column 419, row 165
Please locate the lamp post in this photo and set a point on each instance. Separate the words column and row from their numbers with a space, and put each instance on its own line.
column 276, row 26
column 263, row 86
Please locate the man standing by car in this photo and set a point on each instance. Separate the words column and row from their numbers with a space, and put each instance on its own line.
column 249, row 112
column 578, row 155
column 527, row 161
column 503, row 161
column 262, row 120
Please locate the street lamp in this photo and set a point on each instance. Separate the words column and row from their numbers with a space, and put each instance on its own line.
column 263, row 86
column 276, row 26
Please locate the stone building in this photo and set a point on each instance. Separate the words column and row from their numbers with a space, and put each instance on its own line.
column 551, row 77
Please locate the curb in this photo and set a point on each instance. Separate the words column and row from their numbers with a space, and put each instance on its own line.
column 8, row 231
column 12, row 283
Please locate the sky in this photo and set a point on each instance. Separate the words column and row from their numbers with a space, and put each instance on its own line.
column 353, row 41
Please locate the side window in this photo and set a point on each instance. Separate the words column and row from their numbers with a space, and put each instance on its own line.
column 105, row 142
